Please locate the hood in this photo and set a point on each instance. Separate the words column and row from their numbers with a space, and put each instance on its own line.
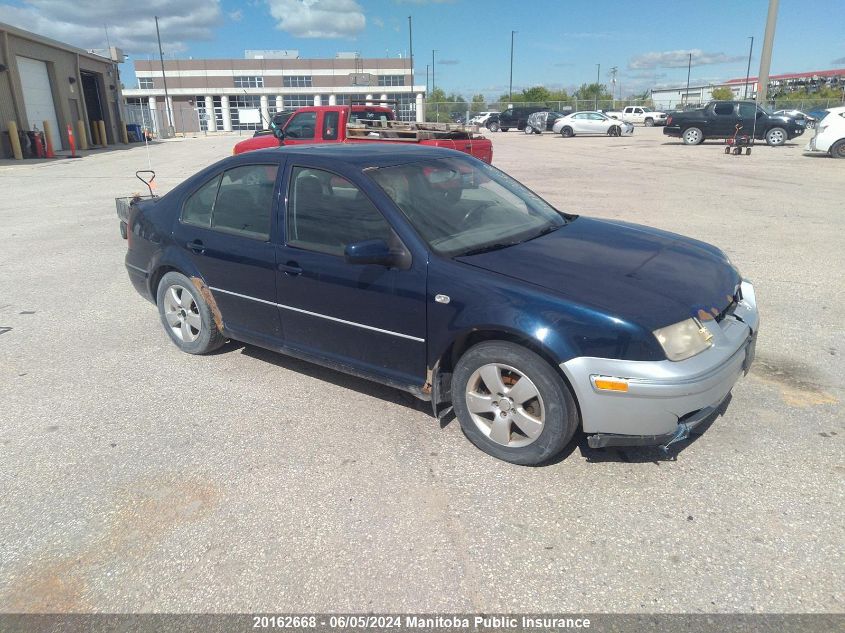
column 649, row 277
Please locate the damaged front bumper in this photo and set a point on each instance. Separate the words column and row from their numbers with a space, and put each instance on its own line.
column 665, row 400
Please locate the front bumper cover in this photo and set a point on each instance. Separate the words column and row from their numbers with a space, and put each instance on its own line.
column 663, row 395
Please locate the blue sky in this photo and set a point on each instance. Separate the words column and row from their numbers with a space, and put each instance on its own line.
column 557, row 44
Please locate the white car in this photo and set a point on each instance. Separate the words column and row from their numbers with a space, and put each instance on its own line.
column 830, row 134
column 481, row 117
column 591, row 123
column 640, row 114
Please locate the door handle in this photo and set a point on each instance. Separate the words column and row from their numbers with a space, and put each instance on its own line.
column 197, row 246
column 291, row 268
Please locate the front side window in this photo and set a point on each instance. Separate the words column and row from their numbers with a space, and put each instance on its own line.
column 460, row 207
column 239, row 200
column 302, row 126
column 326, row 212
column 747, row 110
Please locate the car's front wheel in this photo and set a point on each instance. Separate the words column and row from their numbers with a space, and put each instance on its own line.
column 693, row 136
column 837, row 150
column 512, row 404
column 614, row 130
column 776, row 136
column 186, row 316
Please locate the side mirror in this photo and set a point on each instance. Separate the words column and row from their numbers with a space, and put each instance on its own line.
column 369, row 252
column 278, row 132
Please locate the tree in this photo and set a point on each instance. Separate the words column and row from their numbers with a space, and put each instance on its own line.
column 478, row 103
column 722, row 93
column 592, row 92
column 537, row 94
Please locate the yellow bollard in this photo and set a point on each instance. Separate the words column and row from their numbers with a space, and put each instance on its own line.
column 48, row 139
column 123, row 135
column 95, row 134
column 80, row 132
column 104, row 139
column 16, row 142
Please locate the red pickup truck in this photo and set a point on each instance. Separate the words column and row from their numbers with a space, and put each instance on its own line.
column 363, row 124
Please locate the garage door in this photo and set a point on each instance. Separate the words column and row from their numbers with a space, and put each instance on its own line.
column 38, row 96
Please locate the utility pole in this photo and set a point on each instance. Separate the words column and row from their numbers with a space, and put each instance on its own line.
column 598, row 83
column 510, row 83
column 766, row 54
column 411, row 49
column 433, row 50
column 427, row 66
column 613, row 71
column 164, row 79
column 748, row 71
column 689, row 70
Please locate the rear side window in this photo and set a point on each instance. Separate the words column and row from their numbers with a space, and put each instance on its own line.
column 330, row 126
column 723, row 109
column 197, row 209
column 239, row 201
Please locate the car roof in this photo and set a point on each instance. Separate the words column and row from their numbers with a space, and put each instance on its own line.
column 365, row 154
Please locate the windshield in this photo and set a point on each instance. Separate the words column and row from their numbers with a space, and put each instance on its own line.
column 460, row 206
column 647, row 109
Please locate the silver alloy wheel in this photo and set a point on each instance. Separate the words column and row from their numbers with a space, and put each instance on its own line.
column 649, row 122
column 505, row 405
column 692, row 136
column 776, row 137
column 182, row 314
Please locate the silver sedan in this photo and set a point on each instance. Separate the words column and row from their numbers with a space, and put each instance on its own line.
column 591, row 123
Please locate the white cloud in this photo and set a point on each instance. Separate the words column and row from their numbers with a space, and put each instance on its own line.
column 378, row 22
column 130, row 23
column 680, row 58
column 319, row 18
column 236, row 16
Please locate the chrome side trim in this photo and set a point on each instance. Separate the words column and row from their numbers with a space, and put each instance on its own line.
column 139, row 269
column 321, row 316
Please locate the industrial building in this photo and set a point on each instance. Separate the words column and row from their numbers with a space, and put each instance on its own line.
column 242, row 94
column 45, row 80
column 742, row 88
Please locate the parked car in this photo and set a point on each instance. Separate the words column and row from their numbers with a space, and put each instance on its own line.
column 830, row 134
column 719, row 119
column 482, row 117
column 591, row 123
column 639, row 114
column 353, row 257
column 540, row 122
column 512, row 118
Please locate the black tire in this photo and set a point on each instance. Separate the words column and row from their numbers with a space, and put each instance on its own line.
column 504, row 129
column 493, row 126
column 561, row 418
column 209, row 337
column 692, row 136
column 649, row 122
column 776, row 137
column 837, row 150
column 614, row 131
column 566, row 132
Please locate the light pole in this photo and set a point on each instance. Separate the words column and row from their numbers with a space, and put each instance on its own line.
column 433, row 50
column 427, row 67
column 766, row 53
column 164, row 80
column 689, row 70
column 510, row 83
column 411, row 49
column 598, row 75
column 748, row 71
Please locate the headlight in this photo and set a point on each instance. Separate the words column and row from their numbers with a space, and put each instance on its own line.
column 684, row 339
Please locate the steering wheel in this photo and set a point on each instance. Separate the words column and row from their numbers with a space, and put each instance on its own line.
column 475, row 210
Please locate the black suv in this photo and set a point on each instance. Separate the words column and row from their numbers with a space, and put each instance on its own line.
column 512, row 117
column 725, row 119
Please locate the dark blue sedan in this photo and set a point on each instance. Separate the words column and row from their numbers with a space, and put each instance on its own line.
column 431, row 271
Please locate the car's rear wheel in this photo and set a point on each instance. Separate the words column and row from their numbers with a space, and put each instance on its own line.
column 776, row 136
column 693, row 136
column 528, row 129
column 837, row 150
column 649, row 122
column 493, row 126
column 186, row 316
column 512, row 404
column 566, row 132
